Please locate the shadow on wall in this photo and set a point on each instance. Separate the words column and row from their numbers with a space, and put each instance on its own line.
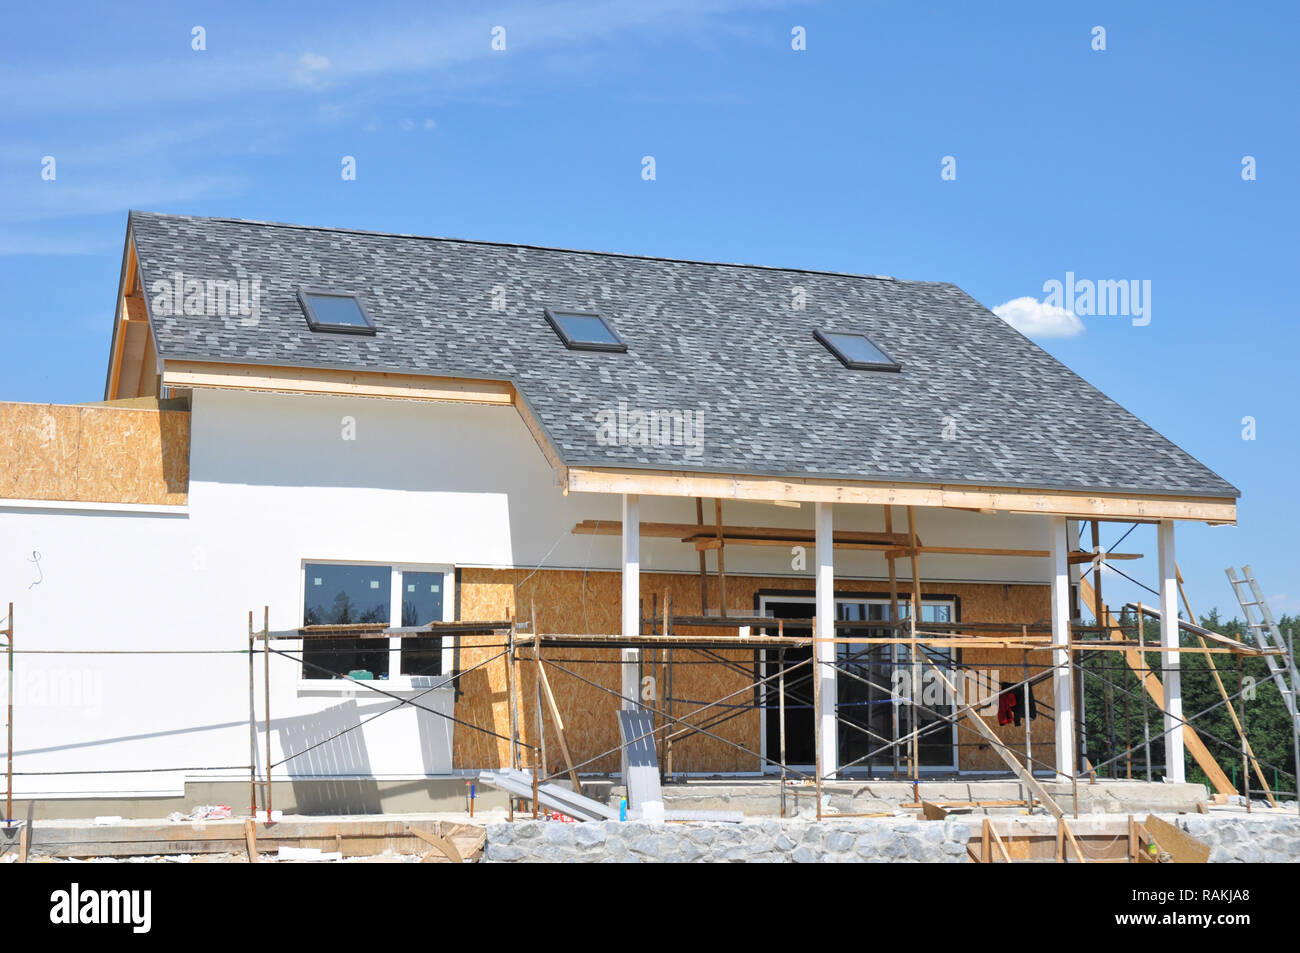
column 329, row 770
column 324, row 760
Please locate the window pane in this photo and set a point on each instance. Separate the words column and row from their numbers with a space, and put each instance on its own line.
column 586, row 329
column 346, row 595
column 421, row 604
column 858, row 349
column 341, row 310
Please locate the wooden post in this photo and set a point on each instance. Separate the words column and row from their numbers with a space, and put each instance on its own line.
column 1028, row 696
column 266, row 678
column 510, row 698
column 893, row 633
column 252, row 725
column 668, row 707
column 9, row 721
column 661, row 686
column 540, row 750
column 704, row 565
column 781, row 704
column 722, row 561
column 915, row 615
column 1142, row 676
column 1108, row 690
column 1241, row 704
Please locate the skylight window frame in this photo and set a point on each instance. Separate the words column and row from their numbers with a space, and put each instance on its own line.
column 824, row 338
column 618, row 347
column 316, row 324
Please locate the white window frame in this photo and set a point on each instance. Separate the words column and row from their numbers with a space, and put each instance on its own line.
column 395, row 682
column 904, row 607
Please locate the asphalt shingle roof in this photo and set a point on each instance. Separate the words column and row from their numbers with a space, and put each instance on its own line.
column 717, row 338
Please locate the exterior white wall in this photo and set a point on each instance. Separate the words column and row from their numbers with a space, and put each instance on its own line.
column 273, row 484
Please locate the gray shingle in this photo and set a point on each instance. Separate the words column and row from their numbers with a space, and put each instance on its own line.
column 722, row 339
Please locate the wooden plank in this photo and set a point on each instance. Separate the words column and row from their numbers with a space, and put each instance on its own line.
column 441, row 843
column 250, row 839
column 559, row 721
column 1069, row 837
column 1182, row 847
column 997, row 840
column 1133, row 657
column 743, row 535
column 933, row 812
column 1073, row 558
column 1081, row 504
column 1001, row 748
column 540, row 436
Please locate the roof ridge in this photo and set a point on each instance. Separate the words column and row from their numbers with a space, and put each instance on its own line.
column 532, row 247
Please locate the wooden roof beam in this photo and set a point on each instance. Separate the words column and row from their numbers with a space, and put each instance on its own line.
column 1079, row 504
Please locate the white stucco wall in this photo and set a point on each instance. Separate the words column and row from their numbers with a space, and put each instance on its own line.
column 273, row 484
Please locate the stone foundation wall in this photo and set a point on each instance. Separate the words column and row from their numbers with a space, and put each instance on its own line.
column 855, row 841
column 1258, row 839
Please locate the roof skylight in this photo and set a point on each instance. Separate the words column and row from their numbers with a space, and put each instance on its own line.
column 581, row 331
column 337, row 311
column 856, row 350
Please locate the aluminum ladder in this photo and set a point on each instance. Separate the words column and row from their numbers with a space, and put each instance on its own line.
column 1264, row 630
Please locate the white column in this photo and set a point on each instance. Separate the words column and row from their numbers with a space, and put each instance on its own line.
column 631, row 688
column 825, row 651
column 1062, row 676
column 1171, row 677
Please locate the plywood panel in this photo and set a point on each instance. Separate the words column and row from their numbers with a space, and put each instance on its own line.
column 94, row 454
column 588, row 603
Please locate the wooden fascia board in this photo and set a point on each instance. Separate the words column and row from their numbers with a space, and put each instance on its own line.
column 540, row 437
column 334, row 382
column 1081, row 505
column 127, row 281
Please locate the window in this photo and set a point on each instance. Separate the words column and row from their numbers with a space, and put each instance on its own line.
column 865, row 680
column 341, row 594
column 584, row 332
column 346, row 595
column 336, row 311
column 867, row 710
column 856, row 351
column 421, row 604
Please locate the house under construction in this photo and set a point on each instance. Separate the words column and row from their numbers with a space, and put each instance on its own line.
column 478, row 497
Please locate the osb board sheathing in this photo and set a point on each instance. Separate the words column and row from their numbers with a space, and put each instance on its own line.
column 94, row 454
column 573, row 602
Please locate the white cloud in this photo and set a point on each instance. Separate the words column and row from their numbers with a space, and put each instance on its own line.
column 1036, row 319
column 311, row 68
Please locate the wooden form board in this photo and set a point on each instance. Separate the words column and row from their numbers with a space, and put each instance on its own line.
column 589, row 603
column 1084, row 505
column 94, row 454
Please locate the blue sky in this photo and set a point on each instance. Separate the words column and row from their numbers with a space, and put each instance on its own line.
column 1117, row 164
